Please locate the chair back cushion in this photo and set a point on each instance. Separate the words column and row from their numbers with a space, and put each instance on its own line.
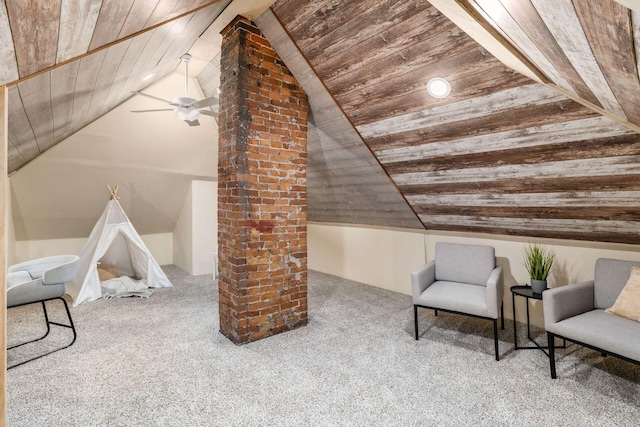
column 610, row 277
column 471, row 264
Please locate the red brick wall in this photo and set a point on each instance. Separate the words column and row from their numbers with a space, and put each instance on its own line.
column 262, row 199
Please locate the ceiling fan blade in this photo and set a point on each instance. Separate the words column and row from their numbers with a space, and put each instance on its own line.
column 153, row 97
column 192, row 122
column 208, row 113
column 150, row 111
column 207, row 102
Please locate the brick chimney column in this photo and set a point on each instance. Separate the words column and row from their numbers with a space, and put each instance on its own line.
column 262, row 198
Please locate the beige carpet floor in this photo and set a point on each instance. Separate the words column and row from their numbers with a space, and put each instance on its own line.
column 162, row 362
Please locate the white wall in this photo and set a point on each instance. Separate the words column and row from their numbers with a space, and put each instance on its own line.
column 196, row 232
column 205, row 225
column 182, row 235
column 160, row 246
column 389, row 257
column 379, row 257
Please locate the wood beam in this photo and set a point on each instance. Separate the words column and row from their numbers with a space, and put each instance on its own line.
column 4, row 138
column 477, row 27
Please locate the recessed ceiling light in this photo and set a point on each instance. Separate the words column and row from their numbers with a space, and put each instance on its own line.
column 438, row 87
column 148, row 76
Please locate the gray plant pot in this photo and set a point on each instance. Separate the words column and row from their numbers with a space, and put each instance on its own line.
column 538, row 285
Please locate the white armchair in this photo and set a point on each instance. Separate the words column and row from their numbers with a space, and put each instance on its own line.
column 463, row 279
column 39, row 281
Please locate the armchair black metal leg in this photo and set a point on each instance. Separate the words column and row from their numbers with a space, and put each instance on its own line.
column 436, row 312
column 46, row 320
column 502, row 315
column 495, row 337
column 552, row 353
column 46, row 316
column 415, row 320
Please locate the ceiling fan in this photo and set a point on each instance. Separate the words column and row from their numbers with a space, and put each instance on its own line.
column 185, row 108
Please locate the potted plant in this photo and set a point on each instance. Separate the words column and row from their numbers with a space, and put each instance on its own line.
column 538, row 261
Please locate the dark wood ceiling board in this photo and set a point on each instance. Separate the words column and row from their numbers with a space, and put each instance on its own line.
column 77, row 22
column 8, row 64
column 630, row 182
column 500, row 121
column 161, row 12
column 63, row 83
column 556, row 201
column 417, row 60
column 88, row 72
column 34, row 50
column 535, row 224
column 527, row 17
column 329, row 17
column 384, row 37
column 531, row 95
column 599, row 211
column 562, row 21
column 626, row 145
column 374, row 108
column 293, row 13
column 608, row 28
column 362, row 22
column 523, row 138
column 35, row 94
column 20, row 131
column 619, row 165
column 528, row 229
column 137, row 17
column 113, row 14
column 407, row 93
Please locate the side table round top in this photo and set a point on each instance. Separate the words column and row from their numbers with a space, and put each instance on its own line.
column 525, row 291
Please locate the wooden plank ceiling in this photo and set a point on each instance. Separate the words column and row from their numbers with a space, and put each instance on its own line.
column 502, row 154
column 345, row 183
column 86, row 58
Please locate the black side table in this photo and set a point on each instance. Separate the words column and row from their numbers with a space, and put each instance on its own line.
column 527, row 293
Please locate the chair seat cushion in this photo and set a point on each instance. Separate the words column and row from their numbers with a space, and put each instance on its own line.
column 455, row 296
column 602, row 330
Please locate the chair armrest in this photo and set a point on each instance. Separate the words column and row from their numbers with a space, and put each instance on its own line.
column 568, row 301
column 495, row 291
column 422, row 278
column 60, row 274
column 24, row 293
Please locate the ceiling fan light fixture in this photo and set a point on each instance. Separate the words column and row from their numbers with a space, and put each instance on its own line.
column 187, row 114
column 438, row 87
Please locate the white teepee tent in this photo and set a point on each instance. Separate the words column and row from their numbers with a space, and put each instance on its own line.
column 114, row 241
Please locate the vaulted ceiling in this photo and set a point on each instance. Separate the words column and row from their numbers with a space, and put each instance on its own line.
column 550, row 151
column 539, row 136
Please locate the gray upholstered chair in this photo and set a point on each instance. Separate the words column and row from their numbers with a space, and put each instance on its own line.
column 577, row 313
column 38, row 281
column 463, row 279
